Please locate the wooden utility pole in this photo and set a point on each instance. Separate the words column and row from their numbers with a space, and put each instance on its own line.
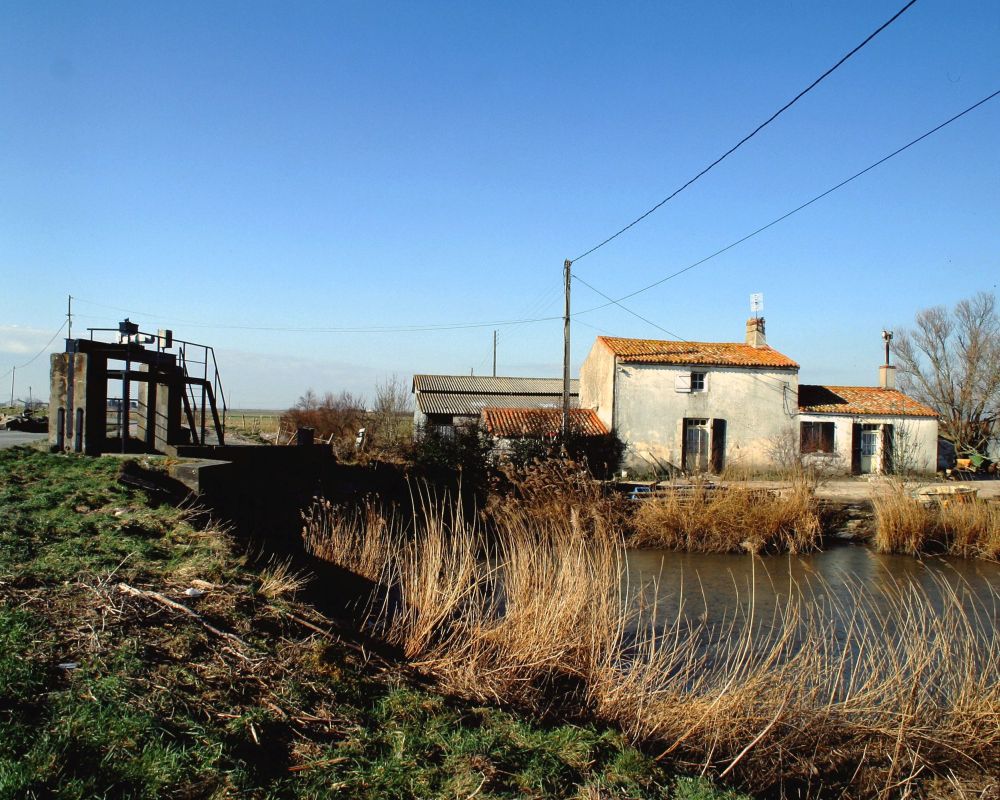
column 494, row 354
column 69, row 316
column 565, row 398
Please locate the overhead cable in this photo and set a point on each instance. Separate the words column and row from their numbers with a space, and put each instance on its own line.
column 753, row 133
column 32, row 360
column 785, row 216
column 414, row 328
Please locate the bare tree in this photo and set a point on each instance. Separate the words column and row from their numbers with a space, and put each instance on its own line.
column 393, row 407
column 951, row 362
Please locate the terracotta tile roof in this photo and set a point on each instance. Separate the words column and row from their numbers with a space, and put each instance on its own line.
column 860, row 400
column 509, row 423
column 728, row 354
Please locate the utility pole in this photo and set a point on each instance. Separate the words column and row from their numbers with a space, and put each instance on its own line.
column 565, row 398
column 69, row 316
column 494, row 354
column 13, row 372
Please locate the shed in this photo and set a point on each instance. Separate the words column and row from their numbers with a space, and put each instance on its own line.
column 449, row 401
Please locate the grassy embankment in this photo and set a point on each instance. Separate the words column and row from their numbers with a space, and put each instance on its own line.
column 901, row 697
column 107, row 691
column 905, row 524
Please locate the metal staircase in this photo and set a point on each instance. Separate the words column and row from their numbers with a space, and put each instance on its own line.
column 202, row 395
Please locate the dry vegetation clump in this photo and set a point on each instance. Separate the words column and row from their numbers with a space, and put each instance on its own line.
column 730, row 519
column 334, row 417
column 865, row 698
column 281, row 579
column 553, row 491
column 357, row 539
column 904, row 524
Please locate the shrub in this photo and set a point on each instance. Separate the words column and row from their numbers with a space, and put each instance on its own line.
column 339, row 416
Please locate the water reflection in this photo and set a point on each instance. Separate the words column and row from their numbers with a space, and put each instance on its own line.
column 847, row 582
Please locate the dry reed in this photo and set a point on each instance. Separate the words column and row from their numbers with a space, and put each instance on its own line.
column 862, row 701
column 729, row 519
column 279, row 579
column 904, row 524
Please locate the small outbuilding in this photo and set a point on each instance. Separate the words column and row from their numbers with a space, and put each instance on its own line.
column 866, row 429
column 446, row 402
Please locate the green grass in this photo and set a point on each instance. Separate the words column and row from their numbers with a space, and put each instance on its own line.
column 157, row 706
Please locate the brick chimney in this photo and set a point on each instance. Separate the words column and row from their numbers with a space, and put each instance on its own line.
column 755, row 332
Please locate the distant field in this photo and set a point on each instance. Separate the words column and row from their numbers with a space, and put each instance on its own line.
column 253, row 420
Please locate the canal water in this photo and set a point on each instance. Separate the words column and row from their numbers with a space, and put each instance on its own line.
column 715, row 589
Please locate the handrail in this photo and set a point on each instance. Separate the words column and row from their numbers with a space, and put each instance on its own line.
column 212, row 391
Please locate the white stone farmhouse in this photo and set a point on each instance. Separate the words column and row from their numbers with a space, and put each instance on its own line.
column 692, row 406
column 705, row 406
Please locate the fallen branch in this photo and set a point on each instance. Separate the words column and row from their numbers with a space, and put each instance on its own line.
column 173, row 604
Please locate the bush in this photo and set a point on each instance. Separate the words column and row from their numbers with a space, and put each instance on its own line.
column 339, row 416
column 462, row 452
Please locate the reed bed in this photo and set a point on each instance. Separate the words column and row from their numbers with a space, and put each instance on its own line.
column 816, row 698
column 731, row 519
column 904, row 524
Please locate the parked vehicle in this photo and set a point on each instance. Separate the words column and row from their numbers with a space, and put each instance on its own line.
column 25, row 421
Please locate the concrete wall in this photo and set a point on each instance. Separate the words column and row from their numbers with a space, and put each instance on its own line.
column 758, row 405
column 915, row 442
column 597, row 388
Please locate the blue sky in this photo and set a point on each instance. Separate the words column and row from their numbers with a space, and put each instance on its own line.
column 220, row 167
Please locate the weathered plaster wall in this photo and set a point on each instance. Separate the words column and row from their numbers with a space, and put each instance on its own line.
column 916, row 440
column 597, row 382
column 759, row 406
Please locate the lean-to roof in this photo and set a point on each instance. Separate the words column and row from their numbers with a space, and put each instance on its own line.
column 860, row 400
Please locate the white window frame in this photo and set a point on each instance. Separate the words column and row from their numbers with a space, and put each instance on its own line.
column 699, row 381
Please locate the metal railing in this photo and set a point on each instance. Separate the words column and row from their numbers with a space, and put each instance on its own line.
column 192, row 358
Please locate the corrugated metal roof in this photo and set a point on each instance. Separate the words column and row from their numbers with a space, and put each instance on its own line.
column 485, row 384
column 728, row 354
column 508, row 423
column 473, row 404
column 860, row 400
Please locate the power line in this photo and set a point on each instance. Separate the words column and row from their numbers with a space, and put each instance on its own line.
column 31, row 360
column 415, row 328
column 635, row 314
column 780, row 386
column 753, row 133
column 785, row 216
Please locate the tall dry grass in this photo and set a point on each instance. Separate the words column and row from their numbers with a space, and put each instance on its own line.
column 730, row 519
column 556, row 490
column 904, row 524
column 866, row 698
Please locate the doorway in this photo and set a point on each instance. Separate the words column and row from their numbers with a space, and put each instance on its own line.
column 869, row 448
column 696, row 450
